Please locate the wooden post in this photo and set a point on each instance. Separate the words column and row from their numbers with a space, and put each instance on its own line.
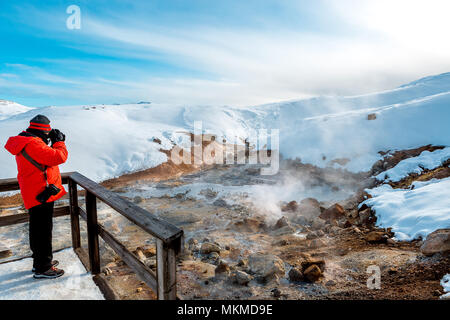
column 167, row 270
column 94, row 253
column 74, row 216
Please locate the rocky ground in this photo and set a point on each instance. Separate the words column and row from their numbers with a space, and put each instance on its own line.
column 296, row 235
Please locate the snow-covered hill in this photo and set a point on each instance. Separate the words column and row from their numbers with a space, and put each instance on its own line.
column 107, row 140
column 9, row 108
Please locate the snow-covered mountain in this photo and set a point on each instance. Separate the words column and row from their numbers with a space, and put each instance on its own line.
column 107, row 140
column 9, row 108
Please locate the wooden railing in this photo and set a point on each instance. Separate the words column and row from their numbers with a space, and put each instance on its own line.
column 169, row 238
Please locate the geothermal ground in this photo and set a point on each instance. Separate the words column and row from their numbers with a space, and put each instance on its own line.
column 296, row 235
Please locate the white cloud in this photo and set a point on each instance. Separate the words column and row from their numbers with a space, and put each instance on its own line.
column 377, row 45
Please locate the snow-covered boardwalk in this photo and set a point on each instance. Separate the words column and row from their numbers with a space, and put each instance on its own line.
column 17, row 282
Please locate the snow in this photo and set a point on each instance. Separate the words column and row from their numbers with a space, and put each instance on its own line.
column 105, row 141
column 17, row 282
column 412, row 213
column 426, row 160
column 445, row 283
column 9, row 108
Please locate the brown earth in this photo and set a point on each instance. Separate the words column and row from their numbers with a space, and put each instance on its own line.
column 11, row 201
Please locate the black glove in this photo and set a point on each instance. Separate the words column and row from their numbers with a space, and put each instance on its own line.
column 55, row 135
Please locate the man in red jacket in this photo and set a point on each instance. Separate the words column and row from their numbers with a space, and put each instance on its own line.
column 40, row 185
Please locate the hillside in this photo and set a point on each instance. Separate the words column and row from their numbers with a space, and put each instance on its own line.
column 9, row 108
column 106, row 141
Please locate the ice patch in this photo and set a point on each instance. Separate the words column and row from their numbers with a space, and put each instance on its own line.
column 412, row 213
column 426, row 160
column 445, row 283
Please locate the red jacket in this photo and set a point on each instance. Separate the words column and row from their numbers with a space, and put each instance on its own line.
column 31, row 179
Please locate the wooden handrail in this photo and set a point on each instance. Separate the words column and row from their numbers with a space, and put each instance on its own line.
column 12, row 184
column 157, row 227
column 23, row 217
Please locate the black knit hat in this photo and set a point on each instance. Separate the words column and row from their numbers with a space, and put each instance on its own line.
column 40, row 122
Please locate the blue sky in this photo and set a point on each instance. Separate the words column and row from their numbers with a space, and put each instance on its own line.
column 216, row 52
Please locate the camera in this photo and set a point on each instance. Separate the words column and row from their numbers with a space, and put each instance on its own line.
column 50, row 190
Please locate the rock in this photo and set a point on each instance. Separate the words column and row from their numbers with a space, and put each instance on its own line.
column 436, row 242
column 317, row 243
column 391, row 242
column 311, row 202
column 140, row 255
column 309, row 207
column 193, row 245
column 335, row 230
column 392, row 270
column 273, row 280
column 240, row 277
column 364, row 216
column 296, row 275
column 265, row 265
column 371, row 116
column 214, row 258
column 112, row 226
column 315, row 234
column 192, row 241
column 341, row 251
column 320, row 233
column 376, row 237
column 151, row 262
column 356, row 230
column 180, row 195
column 147, row 250
column 209, row 247
column 243, row 263
column 181, row 217
column 312, row 273
column 222, row 267
column 5, row 253
column 318, row 224
column 282, row 222
column 276, row 292
column 437, row 293
column 107, row 271
column 333, row 213
column 281, row 243
column 330, row 283
column 283, row 231
column 390, row 233
column 208, row 193
column 309, row 261
column 137, row 199
column 220, row 203
column 290, row 207
column 347, row 224
column 312, row 235
column 249, row 225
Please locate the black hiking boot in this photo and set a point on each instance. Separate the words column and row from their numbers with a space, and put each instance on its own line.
column 54, row 264
column 51, row 273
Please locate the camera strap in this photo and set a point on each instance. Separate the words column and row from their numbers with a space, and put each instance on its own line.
column 36, row 164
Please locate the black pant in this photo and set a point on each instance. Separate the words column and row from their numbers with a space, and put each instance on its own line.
column 41, row 227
